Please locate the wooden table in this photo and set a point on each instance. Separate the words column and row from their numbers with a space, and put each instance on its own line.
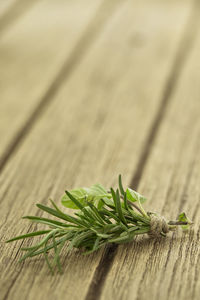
column 90, row 89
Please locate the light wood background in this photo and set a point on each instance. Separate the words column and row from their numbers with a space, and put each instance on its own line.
column 90, row 89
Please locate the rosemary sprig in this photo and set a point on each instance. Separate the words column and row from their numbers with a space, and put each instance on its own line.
column 101, row 217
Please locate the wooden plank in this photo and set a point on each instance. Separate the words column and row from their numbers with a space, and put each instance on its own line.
column 32, row 54
column 11, row 10
column 168, row 268
column 93, row 129
column 5, row 6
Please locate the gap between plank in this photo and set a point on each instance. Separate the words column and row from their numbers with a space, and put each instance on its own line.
column 94, row 28
column 17, row 9
column 184, row 48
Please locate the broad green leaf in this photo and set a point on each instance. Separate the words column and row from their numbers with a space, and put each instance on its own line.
column 76, row 202
column 97, row 191
column 93, row 194
column 134, row 196
column 99, row 204
column 109, row 202
column 79, row 194
column 183, row 218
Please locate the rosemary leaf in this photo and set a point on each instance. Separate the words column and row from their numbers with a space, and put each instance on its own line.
column 100, row 218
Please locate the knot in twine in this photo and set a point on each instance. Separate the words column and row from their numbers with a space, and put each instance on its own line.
column 158, row 225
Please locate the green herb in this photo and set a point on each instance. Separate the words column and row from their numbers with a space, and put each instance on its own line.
column 100, row 217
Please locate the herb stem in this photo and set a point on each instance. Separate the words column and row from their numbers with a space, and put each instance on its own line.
column 101, row 218
column 136, row 207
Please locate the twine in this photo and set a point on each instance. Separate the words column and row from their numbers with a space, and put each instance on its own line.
column 158, row 225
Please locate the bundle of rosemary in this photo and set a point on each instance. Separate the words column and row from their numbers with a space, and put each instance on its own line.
column 101, row 217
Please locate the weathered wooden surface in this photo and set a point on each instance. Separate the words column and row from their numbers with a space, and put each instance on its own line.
column 168, row 268
column 32, row 54
column 128, row 104
column 11, row 11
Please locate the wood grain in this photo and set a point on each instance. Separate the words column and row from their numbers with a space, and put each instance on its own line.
column 11, row 10
column 32, row 54
column 168, row 268
column 95, row 127
column 6, row 6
